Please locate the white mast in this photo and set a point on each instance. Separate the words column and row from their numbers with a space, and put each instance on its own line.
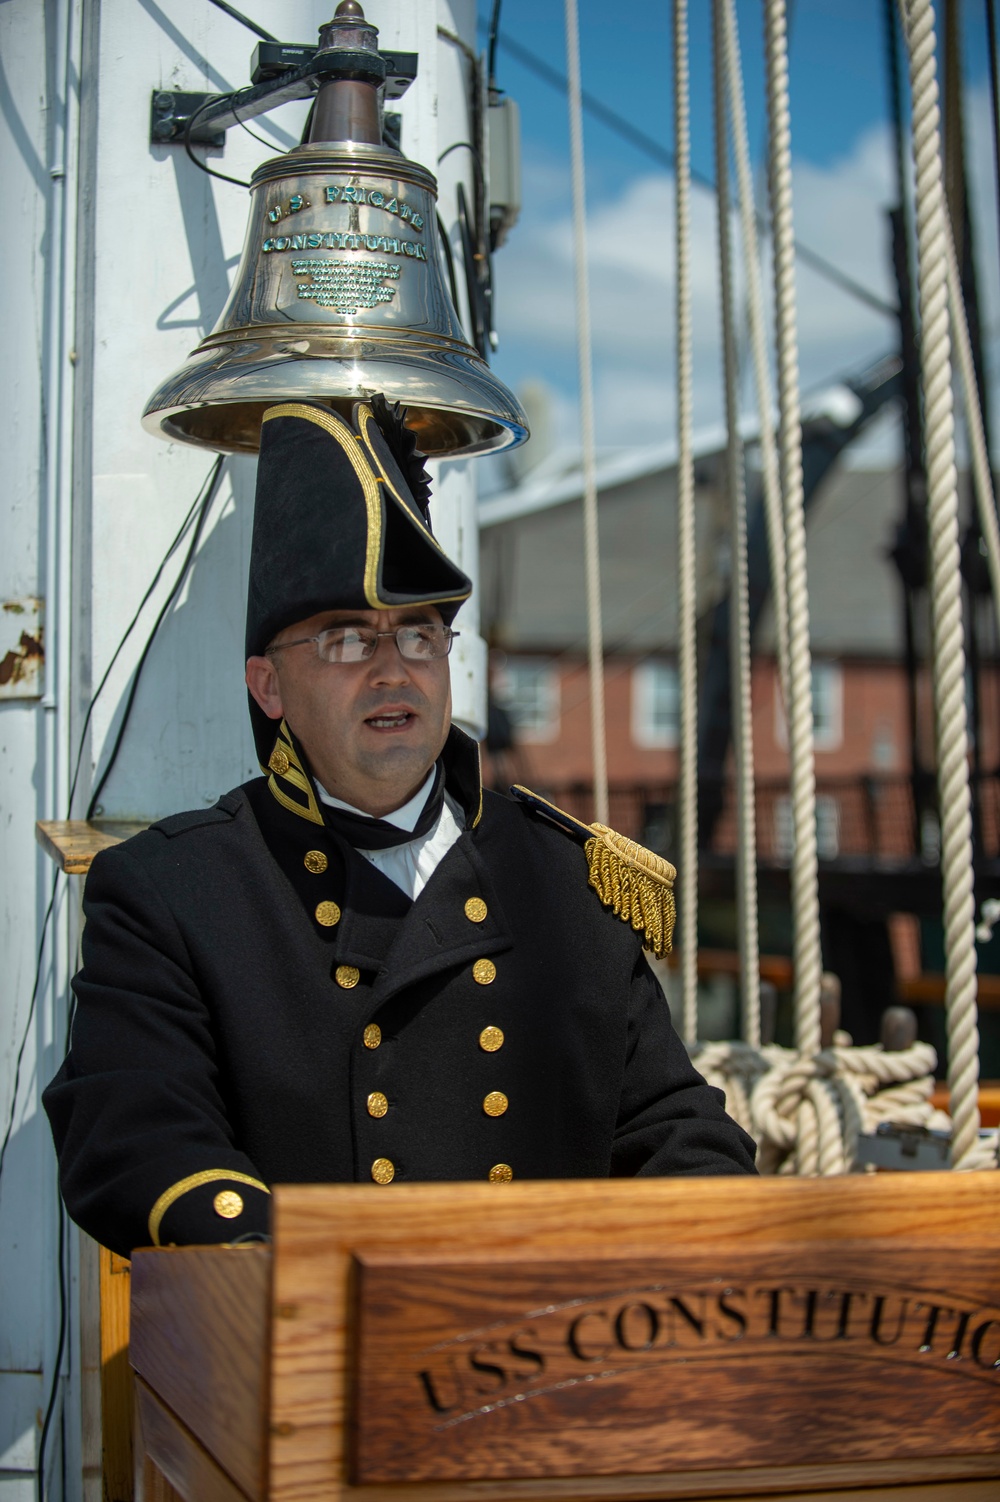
column 117, row 261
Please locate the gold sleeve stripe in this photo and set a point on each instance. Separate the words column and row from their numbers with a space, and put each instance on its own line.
column 194, row 1181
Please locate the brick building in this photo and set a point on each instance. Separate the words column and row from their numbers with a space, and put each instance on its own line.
column 876, row 813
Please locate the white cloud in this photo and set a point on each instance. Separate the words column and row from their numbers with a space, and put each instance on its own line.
column 840, row 212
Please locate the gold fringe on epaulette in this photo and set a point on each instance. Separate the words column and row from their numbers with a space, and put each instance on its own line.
column 636, row 884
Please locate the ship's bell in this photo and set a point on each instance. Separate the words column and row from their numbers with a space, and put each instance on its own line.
column 340, row 291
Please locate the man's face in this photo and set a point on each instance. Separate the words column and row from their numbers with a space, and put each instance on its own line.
column 371, row 730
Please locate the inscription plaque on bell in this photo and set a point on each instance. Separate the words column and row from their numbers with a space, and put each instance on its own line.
column 511, row 1369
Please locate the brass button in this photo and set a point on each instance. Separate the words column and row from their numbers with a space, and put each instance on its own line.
column 490, row 1039
column 373, row 1035
column 347, row 976
column 377, row 1104
column 228, row 1204
column 484, row 972
column 278, row 761
column 501, row 1173
column 328, row 913
column 383, row 1170
column 475, row 909
column 495, row 1103
column 315, row 861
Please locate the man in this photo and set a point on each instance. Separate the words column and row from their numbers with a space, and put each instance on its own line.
column 361, row 967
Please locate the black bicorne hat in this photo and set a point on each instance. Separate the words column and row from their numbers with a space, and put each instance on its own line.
column 340, row 523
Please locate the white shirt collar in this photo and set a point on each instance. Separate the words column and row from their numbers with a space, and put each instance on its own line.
column 403, row 818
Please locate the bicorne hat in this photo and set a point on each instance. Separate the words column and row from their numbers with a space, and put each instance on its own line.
column 340, row 522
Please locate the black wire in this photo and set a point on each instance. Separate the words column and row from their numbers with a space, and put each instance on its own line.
column 178, row 538
column 243, row 126
column 202, row 167
column 449, row 261
column 477, row 160
column 60, row 1347
column 263, row 141
column 231, row 10
column 203, row 501
column 309, row 120
column 27, row 1026
column 185, row 524
column 491, row 55
column 168, row 602
column 991, row 21
column 652, row 148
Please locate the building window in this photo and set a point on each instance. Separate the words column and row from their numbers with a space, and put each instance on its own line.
column 655, row 704
column 529, row 691
column 828, row 708
column 827, row 828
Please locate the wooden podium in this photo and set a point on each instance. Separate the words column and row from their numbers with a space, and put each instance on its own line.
column 628, row 1339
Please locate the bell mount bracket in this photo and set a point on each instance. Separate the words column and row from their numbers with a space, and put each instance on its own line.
column 280, row 76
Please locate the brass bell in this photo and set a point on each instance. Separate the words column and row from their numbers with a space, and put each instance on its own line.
column 340, row 291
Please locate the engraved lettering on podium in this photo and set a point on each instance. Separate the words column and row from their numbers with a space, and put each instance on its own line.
column 516, row 1369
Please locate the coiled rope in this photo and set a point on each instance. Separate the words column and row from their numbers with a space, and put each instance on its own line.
column 687, row 656
column 804, row 873
column 948, row 647
column 809, row 1112
column 739, row 605
column 592, row 552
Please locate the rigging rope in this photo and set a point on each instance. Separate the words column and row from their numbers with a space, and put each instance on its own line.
column 687, row 650
column 982, row 478
column 739, row 604
column 948, row 646
column 758, row 336
column 798, row 682
column 595, row 642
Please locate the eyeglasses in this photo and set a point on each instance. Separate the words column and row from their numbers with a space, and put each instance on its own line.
column 418, row 643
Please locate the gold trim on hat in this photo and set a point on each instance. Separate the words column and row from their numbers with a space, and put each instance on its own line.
column 352, row 446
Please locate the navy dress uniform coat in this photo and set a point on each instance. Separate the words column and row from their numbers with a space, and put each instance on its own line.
column 258, row 1004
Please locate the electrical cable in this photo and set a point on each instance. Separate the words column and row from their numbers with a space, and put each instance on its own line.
column 991, row 24
column 308, row 125
column 199, row 506
column 661, row 154
column 175, row 544
column 201, row 500
column 467, row 146
column 168, row 602
column 491, row 50
column 27, row 1027
column 202, row 167
column 231, row 10
column 269, row 144
column 449, row 260
column 60, row 1347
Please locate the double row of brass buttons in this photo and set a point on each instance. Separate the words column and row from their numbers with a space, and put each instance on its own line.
column 484, row 973
column 383, row 1170
column 326, row 913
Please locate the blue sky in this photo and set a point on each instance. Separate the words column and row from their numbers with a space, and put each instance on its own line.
column 844, row 181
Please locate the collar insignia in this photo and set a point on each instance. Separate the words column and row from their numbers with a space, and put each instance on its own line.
column 289, row 783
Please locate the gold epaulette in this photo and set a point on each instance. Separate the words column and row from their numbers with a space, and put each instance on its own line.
column 632, row 881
